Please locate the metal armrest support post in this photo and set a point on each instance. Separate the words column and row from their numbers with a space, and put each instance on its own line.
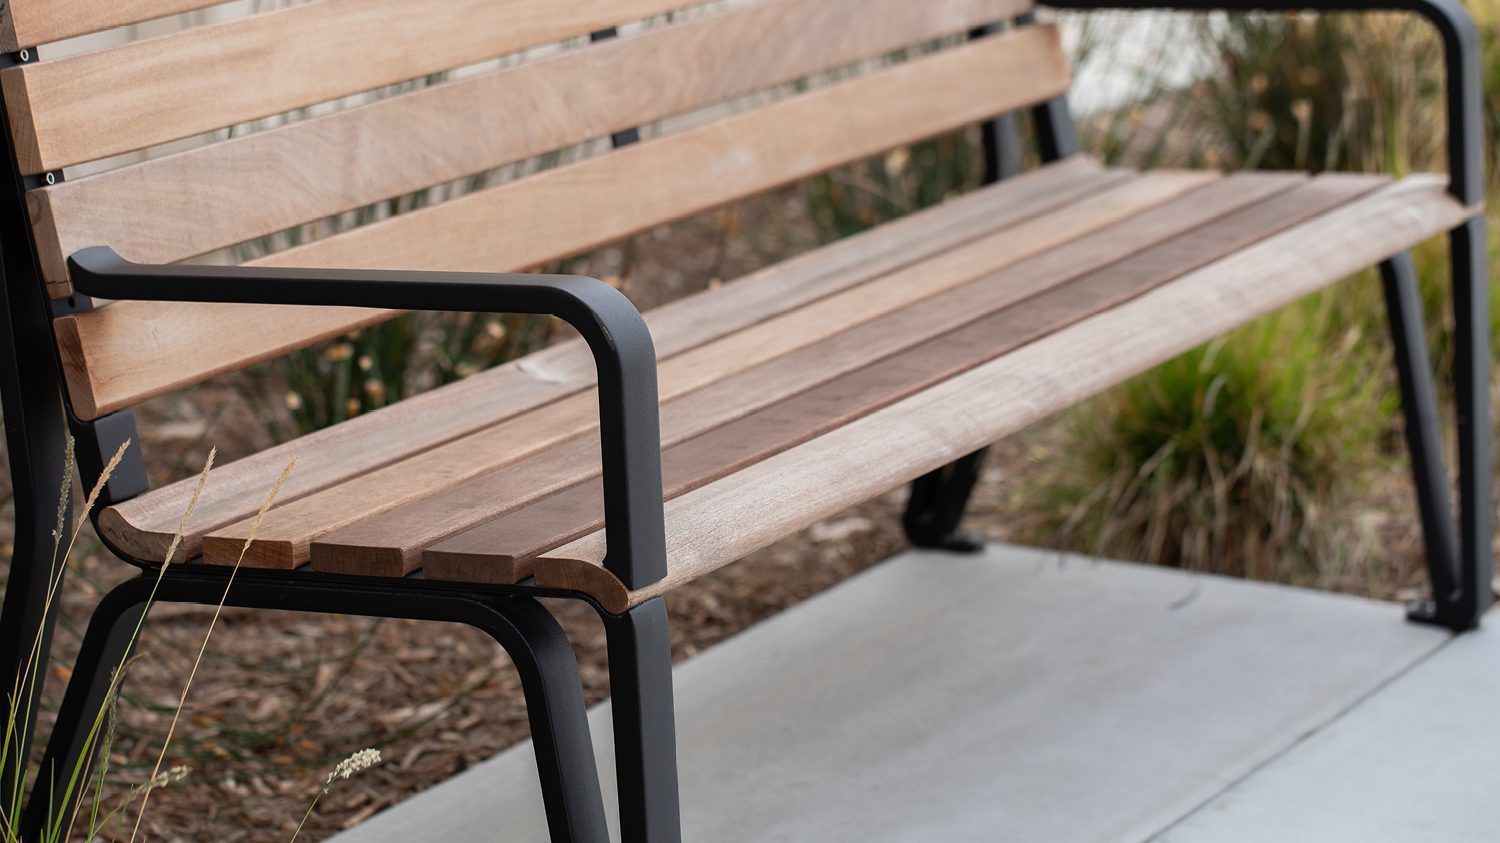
column 613, row 328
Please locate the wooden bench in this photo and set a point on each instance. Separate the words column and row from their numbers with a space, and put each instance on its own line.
column 730, row 418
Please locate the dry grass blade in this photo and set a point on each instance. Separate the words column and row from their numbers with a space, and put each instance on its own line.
column 83, row 772
column 207, row 636
column 29, row 675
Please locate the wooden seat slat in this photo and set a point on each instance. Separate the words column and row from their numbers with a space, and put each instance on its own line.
column 268, row 181
column 144, row 525
column 161, row 89
column 502, row 550
column 284, row 535
column 571, row 209
column 744, row 511
column 390, row 543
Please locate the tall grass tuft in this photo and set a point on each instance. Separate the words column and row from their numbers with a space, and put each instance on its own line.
column 1234, row 458
column 16, row 751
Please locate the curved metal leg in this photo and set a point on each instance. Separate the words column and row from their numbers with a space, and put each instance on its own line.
column 559, row 720
column 937, row 504
column 528, row 632
column 106, row 646
column 640, row 680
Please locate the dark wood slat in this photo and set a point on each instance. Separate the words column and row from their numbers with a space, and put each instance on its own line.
column 733, row 376
column 502, row 550
column 389, row 543
column 287, row 532
column 739, row 514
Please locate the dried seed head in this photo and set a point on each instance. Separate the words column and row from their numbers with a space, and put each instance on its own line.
column 166, row 777
column 358, row 762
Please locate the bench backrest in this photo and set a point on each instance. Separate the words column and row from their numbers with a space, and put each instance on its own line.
column 320, row 162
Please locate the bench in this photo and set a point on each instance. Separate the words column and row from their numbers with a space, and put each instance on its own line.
column 651, row 449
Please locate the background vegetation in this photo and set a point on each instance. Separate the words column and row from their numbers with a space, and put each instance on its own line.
column 1259, row 453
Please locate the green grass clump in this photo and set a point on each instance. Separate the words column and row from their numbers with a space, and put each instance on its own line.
column 1233, row 458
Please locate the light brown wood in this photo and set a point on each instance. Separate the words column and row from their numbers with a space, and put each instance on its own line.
column 572, row 209
column 501, row 550
column 144, row 525
column 129, row 335
column 27, row 23
column 285, row 535
column 747, row 510
column 191, row 203
column 874, row 320
column 161, row 89
column 601, row 200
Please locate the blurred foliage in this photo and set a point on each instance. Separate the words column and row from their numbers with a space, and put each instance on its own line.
column 1233, row 457
column 382, row 364
column 909, row 178
column 1250, row 455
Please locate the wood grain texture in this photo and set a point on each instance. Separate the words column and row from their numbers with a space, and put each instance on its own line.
column 144, row 525
column 191, row 203
column 600, row 200
column 285, row 536
column 575, row 208
column 749, row 509
column 801, row 351
column 129, row 335
column 173, row 86
column 501, row 550
column 27, row 23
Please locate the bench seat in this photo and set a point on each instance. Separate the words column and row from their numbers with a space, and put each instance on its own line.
column 809, row 386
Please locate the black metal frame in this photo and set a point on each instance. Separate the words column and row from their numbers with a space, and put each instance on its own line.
column 1458, row 550
column 38, row 418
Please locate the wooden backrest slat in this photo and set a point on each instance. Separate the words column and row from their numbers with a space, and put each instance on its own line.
column 571, row 209
column 27, row 23
column 266, row 182
column 148, row 92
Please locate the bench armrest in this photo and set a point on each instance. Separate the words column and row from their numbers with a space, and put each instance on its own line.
column 615, row 332
column 1465, row 91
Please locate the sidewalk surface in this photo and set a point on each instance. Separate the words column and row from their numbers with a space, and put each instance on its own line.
column 1023, row 695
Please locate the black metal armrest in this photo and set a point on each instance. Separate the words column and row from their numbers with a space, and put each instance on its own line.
column 1461, row 49
column 616, row 333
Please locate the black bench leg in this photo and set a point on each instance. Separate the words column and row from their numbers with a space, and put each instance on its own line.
column 1458, row 551
column 640, row 678
column 559, row 720
column 937, row 503
column 528, row 632
column 80, row 724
